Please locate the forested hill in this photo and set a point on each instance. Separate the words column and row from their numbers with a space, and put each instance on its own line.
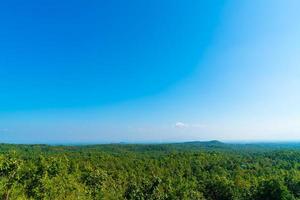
column 192, row 170
column 119, row 147
column 160, row 148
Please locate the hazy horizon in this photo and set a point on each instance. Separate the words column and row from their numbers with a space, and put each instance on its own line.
column 160, row 71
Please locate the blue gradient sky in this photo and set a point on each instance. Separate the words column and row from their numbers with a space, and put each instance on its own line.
column 159, row 71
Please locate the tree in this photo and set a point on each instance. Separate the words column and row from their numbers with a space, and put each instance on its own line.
column 10, row 166
column 273, row 190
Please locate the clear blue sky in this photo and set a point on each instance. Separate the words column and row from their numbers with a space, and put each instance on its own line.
column 137, row 71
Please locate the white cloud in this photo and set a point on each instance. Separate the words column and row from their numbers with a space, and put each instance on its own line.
column 181, row 125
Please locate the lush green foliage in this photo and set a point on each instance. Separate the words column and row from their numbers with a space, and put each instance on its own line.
column 211, row 171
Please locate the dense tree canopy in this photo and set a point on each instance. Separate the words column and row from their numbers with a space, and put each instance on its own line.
column 200, row 171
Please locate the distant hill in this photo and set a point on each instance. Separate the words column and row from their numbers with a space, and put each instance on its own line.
column 205, row 143
column 162, row 148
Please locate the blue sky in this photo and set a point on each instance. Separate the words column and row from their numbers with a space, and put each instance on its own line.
column 159, row 71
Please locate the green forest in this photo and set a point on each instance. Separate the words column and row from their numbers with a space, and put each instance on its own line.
column 193, row 170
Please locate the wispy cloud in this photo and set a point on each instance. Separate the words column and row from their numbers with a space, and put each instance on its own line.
column 181, row 125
